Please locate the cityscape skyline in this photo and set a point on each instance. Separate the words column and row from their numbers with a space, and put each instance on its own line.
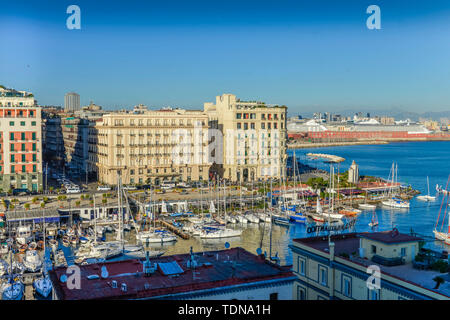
column 184, row 55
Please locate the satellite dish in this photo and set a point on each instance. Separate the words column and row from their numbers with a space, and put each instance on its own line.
column 63, row 278
column 227, row 245
column 259, row 251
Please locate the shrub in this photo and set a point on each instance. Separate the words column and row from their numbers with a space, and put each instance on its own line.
column 42, row 204
column 35, row 199
column 27, row 206
column 440, row 265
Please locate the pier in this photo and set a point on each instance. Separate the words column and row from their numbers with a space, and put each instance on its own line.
column 329, row 157
column 173, row 229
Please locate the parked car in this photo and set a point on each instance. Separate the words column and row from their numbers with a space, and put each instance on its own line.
column 20, row 192
column 73, row 190
column 129, row 188
column 103, row 188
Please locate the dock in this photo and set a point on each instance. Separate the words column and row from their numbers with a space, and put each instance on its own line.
column 173, row 229
column 329, row 157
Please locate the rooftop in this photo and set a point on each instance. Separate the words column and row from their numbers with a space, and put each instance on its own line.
column 348, row 244
column 214, row 269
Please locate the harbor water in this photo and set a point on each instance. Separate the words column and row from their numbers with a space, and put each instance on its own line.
column 416, row 161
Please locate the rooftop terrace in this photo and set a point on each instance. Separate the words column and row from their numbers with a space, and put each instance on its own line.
column 347, row 247
column 214, row 269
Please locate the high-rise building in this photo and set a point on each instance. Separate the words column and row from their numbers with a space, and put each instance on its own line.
column 20, row 141
column 151, row 146
column 71, row 102
column 254, row 138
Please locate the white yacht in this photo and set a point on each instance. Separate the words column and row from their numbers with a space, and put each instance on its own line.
column 155, row 236
column 426, row 197
column 32, row 261
column 395, row 203
column 12, row 290
column 23, row 235
column 219, row 233
column 367, row 206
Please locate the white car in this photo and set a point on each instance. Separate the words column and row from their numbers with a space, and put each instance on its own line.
column 103, row 188
column 73, row 190
column 129, row 188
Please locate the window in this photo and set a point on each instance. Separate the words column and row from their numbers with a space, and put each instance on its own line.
column 252, row 125
column 23, row 158
column 11, row 136
column 301, row 266
column 239, row 125
column 34, row 146
column 132, row 171
column 22, row 123
column 346, row 286
column 12, row 169
column 323, row 276
column 301, row 293
column 33, row 123
column 373, row 249
column 12, row 146
column 12, row 158
column 273, row 296
column 34, row 157
column 238, row 115
column 22, row 136
column 24, row 169
column 33, row 135
column 23, row 146
column 374, row 294
column 403, row 252
column 11, row 123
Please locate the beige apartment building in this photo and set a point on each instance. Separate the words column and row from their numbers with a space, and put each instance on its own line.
column 253, row 144
column 148, row 146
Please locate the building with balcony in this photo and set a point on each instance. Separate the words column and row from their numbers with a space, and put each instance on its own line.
column 151, row 146
column 253, row 142
column 20, row 141
column 364, row 266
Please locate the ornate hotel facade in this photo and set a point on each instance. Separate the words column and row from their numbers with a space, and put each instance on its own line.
column 152, row 146
column 254, row 138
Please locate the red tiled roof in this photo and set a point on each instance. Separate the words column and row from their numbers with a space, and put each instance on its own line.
column 216, row 271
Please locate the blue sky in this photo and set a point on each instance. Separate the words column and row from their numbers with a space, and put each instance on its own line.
column 309, row 55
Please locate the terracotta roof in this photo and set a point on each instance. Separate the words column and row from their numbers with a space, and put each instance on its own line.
column 216, row 269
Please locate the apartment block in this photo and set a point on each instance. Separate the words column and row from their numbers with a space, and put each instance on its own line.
column 148, row 146
column 364, row 266
column 253, row 144
column 20, row 141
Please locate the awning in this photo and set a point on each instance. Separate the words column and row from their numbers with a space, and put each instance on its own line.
column 51, row 215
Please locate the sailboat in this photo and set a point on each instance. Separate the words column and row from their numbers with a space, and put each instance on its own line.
column 281, row 217
column 374, row 221
column 43, row 285
column 426, row 197
column 393, row 201
column 14, row 288
column 439, row 235
column 297, row 217
column 218, row 232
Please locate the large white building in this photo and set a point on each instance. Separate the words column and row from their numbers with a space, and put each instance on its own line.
column 71, row 102
column 249, row 138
